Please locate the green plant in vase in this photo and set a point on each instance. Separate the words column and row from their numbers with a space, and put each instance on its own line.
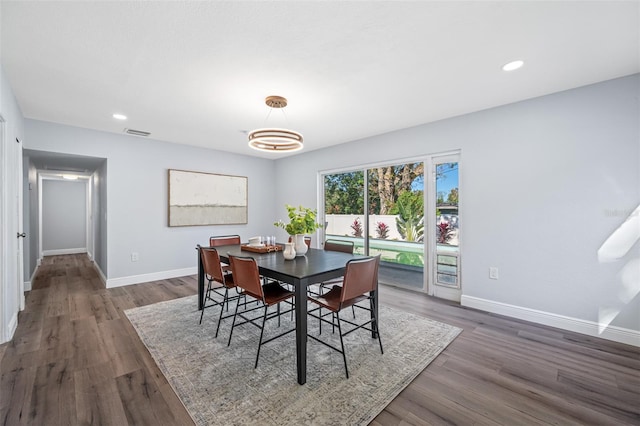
column 302, row 220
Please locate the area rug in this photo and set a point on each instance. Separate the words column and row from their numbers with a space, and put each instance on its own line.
column 219, row 386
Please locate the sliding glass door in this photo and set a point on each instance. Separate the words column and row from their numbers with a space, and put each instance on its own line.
column 393, row 197
column 411, row 221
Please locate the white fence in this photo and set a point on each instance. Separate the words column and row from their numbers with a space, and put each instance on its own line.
column 340, row 224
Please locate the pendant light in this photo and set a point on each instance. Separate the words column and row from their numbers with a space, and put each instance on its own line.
column 275, row 139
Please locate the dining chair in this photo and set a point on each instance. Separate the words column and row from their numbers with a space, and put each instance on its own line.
column 224, row 240
column 218, row 280
column 360, row 279
column 336, row 245
column 340, row 246
column 247, row 277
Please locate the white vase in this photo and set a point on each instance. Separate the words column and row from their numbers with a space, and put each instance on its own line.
column 300, row 245
column 289, row 251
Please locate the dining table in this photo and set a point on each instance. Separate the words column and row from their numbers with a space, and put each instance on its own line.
column 314, row 267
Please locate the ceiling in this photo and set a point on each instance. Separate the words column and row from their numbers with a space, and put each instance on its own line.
column 197, row 73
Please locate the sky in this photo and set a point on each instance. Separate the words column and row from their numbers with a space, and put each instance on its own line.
column 445, row 183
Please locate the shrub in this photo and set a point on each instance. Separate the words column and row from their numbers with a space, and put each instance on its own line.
column 445, row 232
column 382, row 230
column 357, row 227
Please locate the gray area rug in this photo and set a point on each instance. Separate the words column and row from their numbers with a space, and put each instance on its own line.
column 219, row 386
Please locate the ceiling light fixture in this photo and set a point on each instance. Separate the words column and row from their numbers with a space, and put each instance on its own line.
column 119, row 116
column 273, row 139
column 513, row 65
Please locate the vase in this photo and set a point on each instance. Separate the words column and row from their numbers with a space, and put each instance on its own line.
column 300, row 245
column 289, row 251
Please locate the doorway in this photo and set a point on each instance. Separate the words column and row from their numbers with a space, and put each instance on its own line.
column 64, row 214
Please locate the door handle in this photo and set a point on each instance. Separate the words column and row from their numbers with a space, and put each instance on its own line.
column 21, row 235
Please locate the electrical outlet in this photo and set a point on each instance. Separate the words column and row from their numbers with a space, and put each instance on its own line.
column 134, row 257
column 493, row 273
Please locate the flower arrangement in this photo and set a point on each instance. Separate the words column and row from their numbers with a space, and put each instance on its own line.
column 302, row 220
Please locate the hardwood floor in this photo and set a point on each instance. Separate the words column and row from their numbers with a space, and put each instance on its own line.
column 75, row 359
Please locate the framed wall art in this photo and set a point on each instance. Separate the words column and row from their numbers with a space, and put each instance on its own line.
column 197, row 198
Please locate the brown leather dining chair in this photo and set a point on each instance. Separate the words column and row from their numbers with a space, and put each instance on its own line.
column 340, row 246
column 224, row 240
column 336, row 245
column 360, row 279
column 247, row 277
column 219, row 282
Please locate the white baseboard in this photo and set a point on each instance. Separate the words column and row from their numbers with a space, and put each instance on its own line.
column 103, row 278
column 11, row 329
column 27, row 284
column 155, row 276
column 590, row 328
column 64, row 251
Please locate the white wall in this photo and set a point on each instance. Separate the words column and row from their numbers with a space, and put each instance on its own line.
column 539, row 180
column 64, row 216
column 134, row 212
column 13, row 125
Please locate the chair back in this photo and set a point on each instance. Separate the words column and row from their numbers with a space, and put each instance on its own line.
column 360, row 277
column 224, row 240
column 339, row 245
column 211, row 264
column 246, row 275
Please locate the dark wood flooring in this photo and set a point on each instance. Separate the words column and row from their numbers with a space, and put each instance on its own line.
column 76, row 360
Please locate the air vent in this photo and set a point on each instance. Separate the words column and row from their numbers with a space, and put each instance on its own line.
column 136, row 132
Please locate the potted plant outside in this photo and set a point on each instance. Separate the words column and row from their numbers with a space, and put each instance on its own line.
column 302, row 221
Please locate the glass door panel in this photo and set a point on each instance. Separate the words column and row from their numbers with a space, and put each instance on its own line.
column 344, row 208
column 396, row 222
column 446, row 277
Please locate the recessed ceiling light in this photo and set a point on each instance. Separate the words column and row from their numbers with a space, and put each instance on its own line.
column 119, row 116
column 514, row 65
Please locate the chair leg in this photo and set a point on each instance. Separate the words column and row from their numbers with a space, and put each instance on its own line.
column 233, row 323
column 320, row 320
column 264, row 320
column 226, row 300
column 375, row 325
column 205, row 300
column 344, row 356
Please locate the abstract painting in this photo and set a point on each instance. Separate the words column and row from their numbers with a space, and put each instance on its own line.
column 197, row 198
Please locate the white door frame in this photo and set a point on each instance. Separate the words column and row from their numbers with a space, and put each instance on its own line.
column 20, row 221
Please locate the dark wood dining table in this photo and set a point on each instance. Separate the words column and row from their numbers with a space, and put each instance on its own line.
column 314, row 267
